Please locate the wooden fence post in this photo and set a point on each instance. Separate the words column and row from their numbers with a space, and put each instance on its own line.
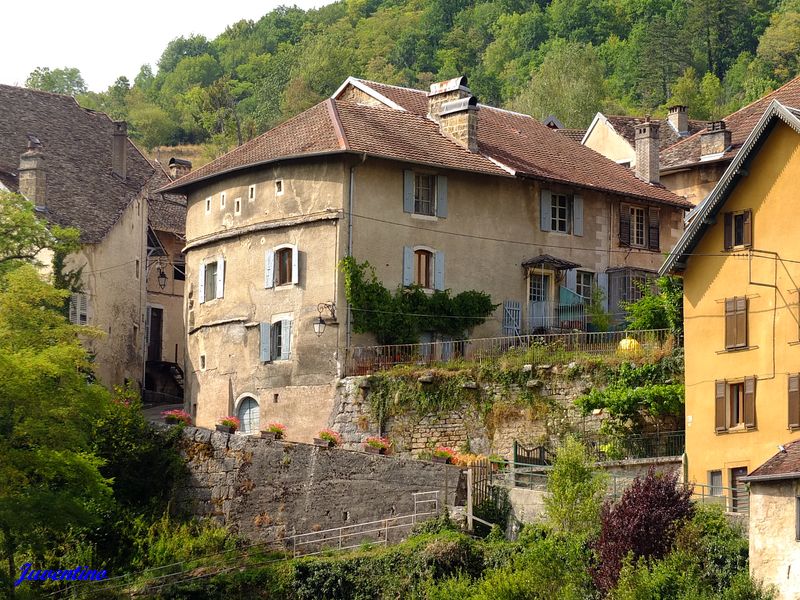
column 470, row 482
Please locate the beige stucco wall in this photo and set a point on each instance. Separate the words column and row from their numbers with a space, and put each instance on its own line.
column 694, row 183
column 605, row 140
column 770, row 284
column 116, row 294
column 170, row 298
column 226, row 330
column 774, row 549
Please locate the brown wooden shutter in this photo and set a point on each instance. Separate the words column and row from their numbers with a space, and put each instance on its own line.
column 749, row 402
column 747, row 235
column 624, row 225
column 794, row 401
column 728, row 231
column 741, row 322
column 719, row 407
column 653, row 231
column 730, row 323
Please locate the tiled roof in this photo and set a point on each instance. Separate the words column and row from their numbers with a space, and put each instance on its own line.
column 166, row 212
column 740, row 124
column 576, row 135
column 667, row 136
column 82, row 191
column 520, row 144
column 783, row 465
column 8, row 178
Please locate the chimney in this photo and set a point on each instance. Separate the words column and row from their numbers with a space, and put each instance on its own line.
column 119, row 150
column 714, row 140
column 458, row 120
column 679, row 120
column 179, row 167
column 32, row 176
column 446, row 91
column 647, row 151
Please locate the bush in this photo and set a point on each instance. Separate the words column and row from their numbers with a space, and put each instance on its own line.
column 643, row 523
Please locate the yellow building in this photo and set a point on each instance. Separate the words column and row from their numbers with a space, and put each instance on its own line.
column 741, row 269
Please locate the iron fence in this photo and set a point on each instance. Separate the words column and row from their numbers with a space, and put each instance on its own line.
column 531, row 349
column 604, row 447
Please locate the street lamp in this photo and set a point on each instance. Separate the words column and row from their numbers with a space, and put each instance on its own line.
column 162, row 278
column 319, row 322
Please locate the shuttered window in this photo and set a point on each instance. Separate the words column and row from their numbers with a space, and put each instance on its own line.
column 281, row 266
column 735, row 323
column 79, row 309
column 212, row 280
column 424, row 194
column 624, row 225
column 653, row 230
column 720, row 411
column 735, row 404
column 561, row 212
column 282, row 339
column 640, row 227
column 794, row 401
column 738, row 229
column 423, row 267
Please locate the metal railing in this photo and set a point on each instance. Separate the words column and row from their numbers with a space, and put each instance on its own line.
column 734, row 500
column 603, row 447
column 530, row 348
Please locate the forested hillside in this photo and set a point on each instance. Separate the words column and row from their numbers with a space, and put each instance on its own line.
column 570, row 58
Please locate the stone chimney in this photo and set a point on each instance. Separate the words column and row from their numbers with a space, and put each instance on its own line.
column 647, row 151
column 119, row 150
column 179, row 167
column 32, row 175
column 446, row 91
column 679, row 119
column 458, row 120
column 715, row 140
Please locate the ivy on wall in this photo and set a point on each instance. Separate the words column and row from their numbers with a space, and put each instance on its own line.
column 399, row 317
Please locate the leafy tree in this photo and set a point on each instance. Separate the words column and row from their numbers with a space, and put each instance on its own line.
column 642, row 524
column 180, row 48
column 59, row 81
column 575, row 492
column 586, row 21
column 779, row 47
column 660, row 307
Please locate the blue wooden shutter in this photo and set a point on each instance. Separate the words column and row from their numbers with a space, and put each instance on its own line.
column 201, row 284
column 545, row 202
column 438, row 270
column 269, row 265
column 295, row 265
column 265, row 342
column 441, row 196
column 286, row 339
column 408, row 191
column 571, row 279
column 577, row 215
column 408, row 265
column 220, row 277
column 512, row 317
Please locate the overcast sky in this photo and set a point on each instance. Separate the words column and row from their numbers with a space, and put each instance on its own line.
column 108, row 39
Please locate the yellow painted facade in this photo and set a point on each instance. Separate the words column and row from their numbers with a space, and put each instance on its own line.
column 768, row 274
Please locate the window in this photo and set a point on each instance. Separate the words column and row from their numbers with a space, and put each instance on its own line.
column 212, row 278
column 237, row 206
column 639, row 227
column 584, row 284
column 715, row 483
column 794, row 401
column 278, row 187
column 424, row 194
column 738, row 229
column 735, row 404
column 208, row 206
column 283, row 261
column 559, row 213
column 537, row 287
column 276, row 339
column 79, row 309
column 136, row 268
column 251, row 193
column 797, row 518
column 202, row 362
column 248, row 416
column 222, row 198
column 423, row 261
column 281, row 266
column 735, row 323
column 179, row 269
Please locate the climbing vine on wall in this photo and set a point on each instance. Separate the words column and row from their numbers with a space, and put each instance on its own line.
column 399, row 317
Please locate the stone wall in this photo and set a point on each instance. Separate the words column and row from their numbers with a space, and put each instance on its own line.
column 268, row 490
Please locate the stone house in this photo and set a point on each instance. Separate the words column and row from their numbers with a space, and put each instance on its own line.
column 742, row 341
column 80, row 170
column 433, row 189
column 774, row 528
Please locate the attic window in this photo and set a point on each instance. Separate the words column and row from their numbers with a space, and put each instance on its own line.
column 251, row 193
column 222, row 198
column 202, row 362
column 237, row 206
column 279, row 187
column 208, row 206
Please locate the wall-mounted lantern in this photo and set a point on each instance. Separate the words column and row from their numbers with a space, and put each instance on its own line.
column 320, row 321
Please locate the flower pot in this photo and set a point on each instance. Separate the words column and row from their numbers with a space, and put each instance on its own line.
column 374, row 449
column 269, row 435
column 225, row 429
column 323, row 443
column 441, row 459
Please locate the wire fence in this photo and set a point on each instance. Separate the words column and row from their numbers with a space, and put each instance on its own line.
column 532, row 349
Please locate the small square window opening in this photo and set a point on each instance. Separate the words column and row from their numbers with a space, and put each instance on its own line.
column 251, row 193
column 222, row 198
column 237, row 206
column 278, row 187
column 202, row 362
column 208, row 206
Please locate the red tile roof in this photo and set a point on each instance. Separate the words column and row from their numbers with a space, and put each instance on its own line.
column 783, row 465
column 576, row 135
column 515, row 141
column 740, row 124
column 667, row 136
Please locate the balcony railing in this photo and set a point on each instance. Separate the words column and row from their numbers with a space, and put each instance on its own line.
column 649, row 445
column 532, row 349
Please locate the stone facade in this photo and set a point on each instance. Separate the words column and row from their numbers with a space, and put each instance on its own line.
column 266, row 490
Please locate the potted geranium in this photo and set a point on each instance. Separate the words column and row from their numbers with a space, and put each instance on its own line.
column 228, row 424
column 377, row 445
column 177, row 416
column 328, row 438
column 274, row 431
column 443, row 454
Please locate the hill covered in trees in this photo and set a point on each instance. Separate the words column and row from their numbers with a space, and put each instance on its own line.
column 570, row 58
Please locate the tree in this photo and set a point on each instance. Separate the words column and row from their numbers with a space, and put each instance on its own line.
column 59, row 81
column 660, row 307
column 575, row 491
column 180, row 48
column 779, row 47
column 643, row 524
column 569, row 84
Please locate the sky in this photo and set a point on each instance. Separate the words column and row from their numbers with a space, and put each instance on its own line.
column 104, row 41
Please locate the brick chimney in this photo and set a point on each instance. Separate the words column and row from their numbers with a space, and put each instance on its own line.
column 679, row 119
column 32, row 175
column 647, row 151
column 446, row 91
column 714, row 140
column 458, row 120
column 119, row 150
column 179, row 167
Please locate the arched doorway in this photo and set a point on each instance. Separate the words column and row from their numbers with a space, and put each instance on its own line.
column 248, row 414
